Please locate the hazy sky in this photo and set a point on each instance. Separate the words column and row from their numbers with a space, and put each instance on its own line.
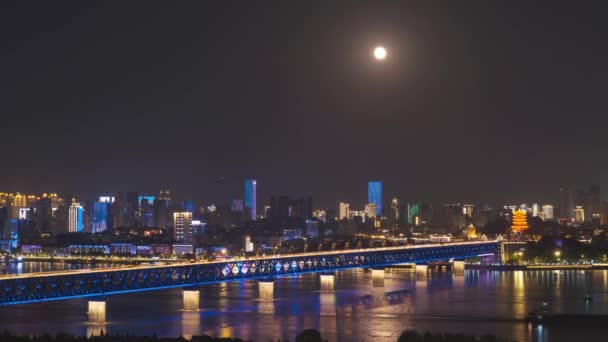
column 477, row 101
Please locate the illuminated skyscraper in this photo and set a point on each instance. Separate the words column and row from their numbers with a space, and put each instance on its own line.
column 413, row 211
column 374, row 195
column 100, row 217
column 394, row 214
column 547, row 211
column 75, row 222
column 250, row 198
column 579, row 214
column 165, row 195
column 182, row 226
column 344, row 209
column 370, row 210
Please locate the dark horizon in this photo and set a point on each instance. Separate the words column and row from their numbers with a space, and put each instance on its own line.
column 479, row 103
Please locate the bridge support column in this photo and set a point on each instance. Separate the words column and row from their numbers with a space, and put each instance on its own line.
column 422, row 271
column 377, row 277
column 458, row 267
column 266, row 289
column 504, row 256
column 97, row 311
column 327, row 282
column 191, row 299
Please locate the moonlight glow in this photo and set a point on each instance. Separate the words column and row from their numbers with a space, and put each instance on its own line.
column 380, row 53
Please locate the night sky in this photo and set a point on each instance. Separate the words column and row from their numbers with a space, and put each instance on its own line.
column 478, row 101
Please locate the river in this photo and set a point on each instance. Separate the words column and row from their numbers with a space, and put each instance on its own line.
column 480, row 302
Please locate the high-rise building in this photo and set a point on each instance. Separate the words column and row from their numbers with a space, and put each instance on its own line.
column 413, row 211
column 579, row 214
column 467, row 209
column 301, row 207
column 44, row 214
column 188, row 206
column 165, row 195
column 312, row 228
column 75, row 219
column 604, row 213
column 370, row 210
column 394, row 213
column 593, row 205
column 344, row 209
column 160, row 214
column 534, row 209
column 426, row 213
column 250, row 198
column 248, row 244
column 182, row 226
column 279, row 207
column 566, row 204
column 100, row 217
column 237, row 205
column 547, row 212
column 374, row 195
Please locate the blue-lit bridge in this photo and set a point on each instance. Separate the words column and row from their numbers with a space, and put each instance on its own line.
column 38, row 287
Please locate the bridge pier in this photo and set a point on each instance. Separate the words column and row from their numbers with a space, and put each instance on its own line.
column 266, row 289
column 327, row 282
column 422, row 271
column 458, row 267
column 377, row 277
column 504, row 256
column 97, row 311
column 191, row 299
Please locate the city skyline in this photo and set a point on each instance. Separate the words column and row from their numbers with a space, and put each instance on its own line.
column 91, row 108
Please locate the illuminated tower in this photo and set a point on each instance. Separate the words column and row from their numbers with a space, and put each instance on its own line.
column 100, row 217
column 413, row 211
column 344, row 208
column 182, row 226
column 519, row 221
column 374, row 195
column 250, row 198
column 75, row 218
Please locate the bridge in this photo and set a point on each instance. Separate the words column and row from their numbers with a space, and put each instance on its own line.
column 47, row 286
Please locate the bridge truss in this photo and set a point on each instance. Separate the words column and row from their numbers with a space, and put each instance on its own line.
column 67, row 285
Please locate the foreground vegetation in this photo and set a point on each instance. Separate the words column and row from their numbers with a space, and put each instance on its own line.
column 308, row 335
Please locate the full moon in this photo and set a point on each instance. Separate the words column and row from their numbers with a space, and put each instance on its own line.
column 380, row 53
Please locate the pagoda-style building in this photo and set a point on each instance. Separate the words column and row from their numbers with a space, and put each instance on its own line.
column 519, row 222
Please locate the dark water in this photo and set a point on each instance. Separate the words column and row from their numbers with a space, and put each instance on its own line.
column 480, row 302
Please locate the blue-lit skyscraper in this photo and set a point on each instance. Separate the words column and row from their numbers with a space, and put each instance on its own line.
column 188, row 206
column 250, row 198
column 100, row 217
column 374, row 195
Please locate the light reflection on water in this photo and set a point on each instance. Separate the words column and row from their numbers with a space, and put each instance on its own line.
column 477, row 303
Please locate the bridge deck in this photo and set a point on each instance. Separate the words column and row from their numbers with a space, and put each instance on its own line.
column 36, row 287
